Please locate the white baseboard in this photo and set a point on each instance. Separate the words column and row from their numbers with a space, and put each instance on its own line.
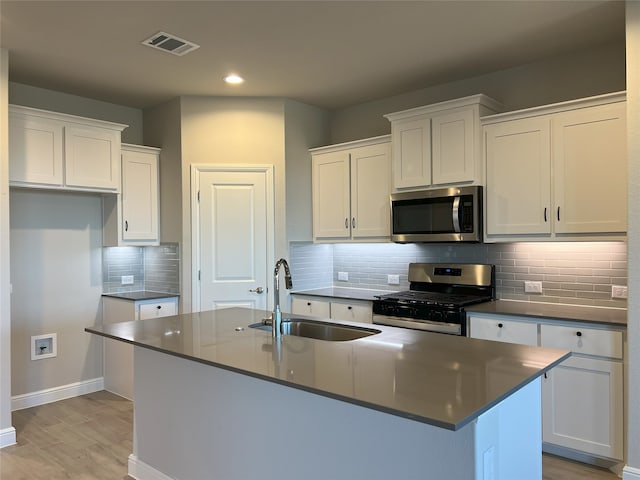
column 49, row 395
column 630, row 473
column 7, row 437
column 141, row 471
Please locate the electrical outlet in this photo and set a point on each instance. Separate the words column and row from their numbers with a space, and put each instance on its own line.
column 127, row 279
column 343, row 276
column 532, row 287
column 393, row 279
column 618, row 291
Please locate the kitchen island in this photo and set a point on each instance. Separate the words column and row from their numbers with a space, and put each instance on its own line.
column 218, row 399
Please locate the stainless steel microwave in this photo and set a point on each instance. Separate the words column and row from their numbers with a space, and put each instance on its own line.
column 439, row 215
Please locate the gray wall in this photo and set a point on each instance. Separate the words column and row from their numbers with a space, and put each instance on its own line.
column 162, row 128
column 633, row 237
column 580, row 74
column 7, row 433
column 56, row 273
column 35, row 97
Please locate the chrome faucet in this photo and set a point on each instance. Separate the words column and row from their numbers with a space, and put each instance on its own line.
column 276, row 323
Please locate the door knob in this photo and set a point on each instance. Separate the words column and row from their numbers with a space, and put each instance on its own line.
column 258, row 290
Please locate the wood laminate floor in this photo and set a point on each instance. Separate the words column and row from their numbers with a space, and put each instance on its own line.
column 90, row 438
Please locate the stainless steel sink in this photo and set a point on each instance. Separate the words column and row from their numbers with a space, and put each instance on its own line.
column 332, row 332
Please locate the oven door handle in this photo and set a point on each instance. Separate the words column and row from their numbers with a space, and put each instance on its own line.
column 425, row 325
column 456, row 214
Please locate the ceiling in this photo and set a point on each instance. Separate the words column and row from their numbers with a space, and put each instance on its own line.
column 331, row 54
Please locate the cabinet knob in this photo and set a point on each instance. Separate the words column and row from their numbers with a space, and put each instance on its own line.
column 159, row 307
column 257, row 290
column 308, row 304
column 579, row 334
column 500, row 325
column 349, row 307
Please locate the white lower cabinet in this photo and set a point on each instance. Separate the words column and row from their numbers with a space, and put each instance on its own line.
column 333, row 308
column 118, row 356
column 583, row 397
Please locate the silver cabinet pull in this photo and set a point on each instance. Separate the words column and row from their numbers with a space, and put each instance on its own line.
column 257, row 290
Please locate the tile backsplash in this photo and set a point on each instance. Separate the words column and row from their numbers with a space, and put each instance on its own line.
column 155, row 269
column 577, row 273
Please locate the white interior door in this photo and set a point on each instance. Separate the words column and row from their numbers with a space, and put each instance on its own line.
column 235, row 219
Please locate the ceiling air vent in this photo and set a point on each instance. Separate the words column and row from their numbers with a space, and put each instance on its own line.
column 170, row 43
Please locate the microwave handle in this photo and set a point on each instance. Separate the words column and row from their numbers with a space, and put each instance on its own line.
column 456, row 214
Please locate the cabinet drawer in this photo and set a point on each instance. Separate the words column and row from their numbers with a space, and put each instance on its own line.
column 310, row 306
column 523, row 333
column 590, row 341
column 354, row 312
column 160, row 308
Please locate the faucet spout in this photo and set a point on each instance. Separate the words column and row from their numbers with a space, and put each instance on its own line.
column 276, row 325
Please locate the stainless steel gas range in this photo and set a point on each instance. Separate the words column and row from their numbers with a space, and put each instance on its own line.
column 436, row 298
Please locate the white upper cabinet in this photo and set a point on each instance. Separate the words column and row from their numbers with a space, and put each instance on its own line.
column 439, row 144
column 557, row 172
column 35, row 150
column 518, row 190
column 351, row 187
column 132, row 218
column 590, row 169
column 54, row 150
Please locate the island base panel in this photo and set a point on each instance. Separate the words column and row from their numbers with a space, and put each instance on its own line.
column 197, row 421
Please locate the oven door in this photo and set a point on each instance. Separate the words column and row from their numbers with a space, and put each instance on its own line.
column 424, row 325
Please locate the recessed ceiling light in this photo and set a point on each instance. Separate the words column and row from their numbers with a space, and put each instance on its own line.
column 234, row 79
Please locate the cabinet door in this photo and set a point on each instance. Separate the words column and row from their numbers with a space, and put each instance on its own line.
column 35, row 151
column 582, row 403
column 411, row 144
column 590, row 170
column 501, row 330
column 139, row 195
column 92, row 158
column 453, row 149
column 352, row 311
column 518, row 157
column 370, row 190
column 331, row 196
column 312, row 307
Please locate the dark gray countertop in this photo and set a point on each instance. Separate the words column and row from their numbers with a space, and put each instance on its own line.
column 611, row 316
column 343, row 292
column 442, row 380
column 140, row 295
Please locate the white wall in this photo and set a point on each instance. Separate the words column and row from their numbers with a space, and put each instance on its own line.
column 633, row 238
column 7, row 433
column 56, row 273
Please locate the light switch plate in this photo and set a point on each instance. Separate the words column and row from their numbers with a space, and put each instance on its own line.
column 532, row 287
column 618, row 291
column 393, row 279
column 127, row 279
column 343, row 276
